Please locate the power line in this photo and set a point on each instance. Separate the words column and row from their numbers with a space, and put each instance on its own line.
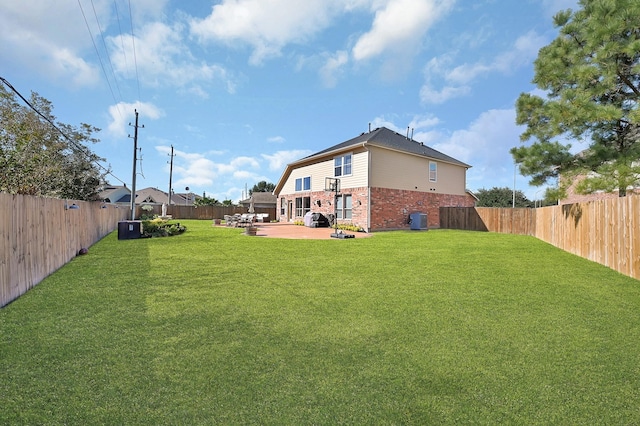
column 133, row 42
column 124, row 53
column 100, row 59
column 115, row 80
column 74, row 144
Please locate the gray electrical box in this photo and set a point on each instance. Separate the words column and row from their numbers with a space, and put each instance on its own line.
column 418, row 221
column 129, row 229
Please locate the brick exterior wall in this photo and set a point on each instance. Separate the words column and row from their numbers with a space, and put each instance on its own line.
column 323, row 202
column 390, row 208
column 573, row 197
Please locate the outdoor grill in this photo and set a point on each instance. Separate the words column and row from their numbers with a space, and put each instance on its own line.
column 318, row 220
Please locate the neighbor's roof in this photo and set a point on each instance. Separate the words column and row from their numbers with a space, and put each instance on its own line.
column 261, row 198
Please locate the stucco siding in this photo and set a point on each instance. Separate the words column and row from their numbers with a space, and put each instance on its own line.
column 397, row 170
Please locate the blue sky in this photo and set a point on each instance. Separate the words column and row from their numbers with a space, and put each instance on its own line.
column 240, row 88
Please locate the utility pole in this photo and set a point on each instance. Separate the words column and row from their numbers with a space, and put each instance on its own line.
column 170, row 175
column 135, row 159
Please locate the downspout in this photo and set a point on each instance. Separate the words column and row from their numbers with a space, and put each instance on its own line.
column 364, row 146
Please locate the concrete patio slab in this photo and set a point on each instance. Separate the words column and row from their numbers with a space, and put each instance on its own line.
column 291, row 231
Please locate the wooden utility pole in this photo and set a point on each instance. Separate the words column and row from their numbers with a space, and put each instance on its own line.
column 170, row 175
column 135, row 159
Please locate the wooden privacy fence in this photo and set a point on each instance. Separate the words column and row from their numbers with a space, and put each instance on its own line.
column 39, row 235
column 604, row 231
column 203, row 212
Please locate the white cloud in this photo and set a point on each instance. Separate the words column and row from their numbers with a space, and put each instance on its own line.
column 38, row 35
column 434, row 70
column 399, row 27
column 524, row 51
column 124, row 113
column 554, row 6
column 456, row 81
column 266, row 26
column 195, row 169
column 276, row 139
column 485, row 145
column 433, row 96
column 333, row 67
column 163, row 58
column 280, row 159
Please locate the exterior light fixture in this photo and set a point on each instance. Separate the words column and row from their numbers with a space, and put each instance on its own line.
column 73, row 206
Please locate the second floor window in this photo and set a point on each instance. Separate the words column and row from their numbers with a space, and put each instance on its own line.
column 342, row 165
column 303, row 184
column 433, row 171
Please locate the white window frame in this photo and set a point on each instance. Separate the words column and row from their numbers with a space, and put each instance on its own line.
column 344, row 206
column 433, row 171
column 340, row 164
column 304, row 183
column 302, row 206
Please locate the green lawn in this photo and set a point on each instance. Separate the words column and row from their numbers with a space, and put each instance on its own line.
column 215, row 327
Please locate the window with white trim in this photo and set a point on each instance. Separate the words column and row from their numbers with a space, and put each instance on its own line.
column 303, row 206
column 342, row 165
column 433, row 171
column 343, row 206
column 303, row 184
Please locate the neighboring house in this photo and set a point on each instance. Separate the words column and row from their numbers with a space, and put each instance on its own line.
column 384, row 177
column 113, row 194
column 261, row 200
column 574, row 197
column 122, row 195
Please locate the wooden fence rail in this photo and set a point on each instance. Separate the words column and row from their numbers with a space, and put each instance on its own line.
column 203, row 212
column 39, row 235
column 604, row 231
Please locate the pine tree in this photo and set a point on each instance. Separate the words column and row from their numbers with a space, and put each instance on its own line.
column 591, row 78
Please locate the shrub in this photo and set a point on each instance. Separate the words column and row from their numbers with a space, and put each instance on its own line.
column 161, row 228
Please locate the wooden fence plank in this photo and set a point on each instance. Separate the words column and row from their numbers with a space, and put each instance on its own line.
column 604, row 231
column 38, row 236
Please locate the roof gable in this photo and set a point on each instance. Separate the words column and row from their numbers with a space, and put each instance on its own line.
column 380, row 137
column 385, row 138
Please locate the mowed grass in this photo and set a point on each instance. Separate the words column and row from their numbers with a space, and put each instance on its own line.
column 214, row 327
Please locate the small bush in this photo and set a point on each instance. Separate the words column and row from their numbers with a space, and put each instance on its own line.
column 161, row 228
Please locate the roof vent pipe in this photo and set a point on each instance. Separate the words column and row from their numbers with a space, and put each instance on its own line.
column 412, row 133
column 407, row 132
column 369, row 127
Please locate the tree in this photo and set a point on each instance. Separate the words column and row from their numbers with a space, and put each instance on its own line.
column 37, row 159
column 206, row 201
column 501, row 197
column 591, row 76
column 262, row 186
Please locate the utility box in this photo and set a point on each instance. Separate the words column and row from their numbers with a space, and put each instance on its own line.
column 129, row 229
column 418, row 221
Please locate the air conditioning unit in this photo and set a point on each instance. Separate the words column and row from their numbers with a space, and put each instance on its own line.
column 418, row 221
column 129, row 230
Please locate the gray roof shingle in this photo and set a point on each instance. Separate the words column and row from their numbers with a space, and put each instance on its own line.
column 386, row 138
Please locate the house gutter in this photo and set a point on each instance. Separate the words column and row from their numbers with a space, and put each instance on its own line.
column 364, row 146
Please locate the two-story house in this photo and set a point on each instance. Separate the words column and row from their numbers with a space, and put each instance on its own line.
column 384, row 178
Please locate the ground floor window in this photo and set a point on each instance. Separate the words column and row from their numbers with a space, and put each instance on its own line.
column 303, row 206
column 343, row 206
